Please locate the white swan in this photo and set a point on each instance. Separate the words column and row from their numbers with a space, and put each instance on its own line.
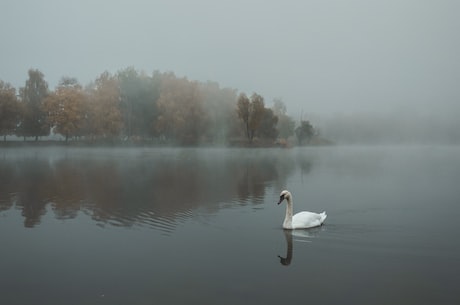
column 301, row 220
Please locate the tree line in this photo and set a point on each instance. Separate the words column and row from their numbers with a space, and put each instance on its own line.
column 134, row 106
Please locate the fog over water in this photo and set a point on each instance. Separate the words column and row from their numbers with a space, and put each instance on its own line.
column 183, row 225
column 148, row 225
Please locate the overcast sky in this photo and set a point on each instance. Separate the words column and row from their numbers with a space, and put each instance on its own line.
column 322, row 56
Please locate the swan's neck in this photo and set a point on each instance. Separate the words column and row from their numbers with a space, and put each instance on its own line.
column 287, row 224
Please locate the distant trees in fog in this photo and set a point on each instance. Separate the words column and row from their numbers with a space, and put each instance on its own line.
column 286, row 124
column 304, row 132
column 134, row 106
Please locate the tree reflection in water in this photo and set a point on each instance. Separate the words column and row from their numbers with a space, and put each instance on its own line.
column 145, row 187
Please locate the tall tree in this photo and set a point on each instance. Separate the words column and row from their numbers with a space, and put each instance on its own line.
column 243, row 109
column 67, row 108
column 105, row 119
column 257, row 111
column 10, row 110
column 181, row 115
column 251, row 112
column 139, row 94
column 34, row 122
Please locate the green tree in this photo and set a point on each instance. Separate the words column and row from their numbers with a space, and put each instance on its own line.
column 67, row 108
column 286, row 124
column 139, row 94
column 34, row 122
column 10, row 110
column 304, row 132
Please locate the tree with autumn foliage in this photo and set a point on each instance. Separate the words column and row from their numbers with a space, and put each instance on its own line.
column 181, row 115
column 243, row 105
column 134, row 106
column 105, row 120
column 67, row 108
column 10, row 110
column 34, row 122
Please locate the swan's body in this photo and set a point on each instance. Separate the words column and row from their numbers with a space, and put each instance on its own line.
column 301, row 220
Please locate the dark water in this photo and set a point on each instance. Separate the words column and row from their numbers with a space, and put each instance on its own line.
column 201, row 226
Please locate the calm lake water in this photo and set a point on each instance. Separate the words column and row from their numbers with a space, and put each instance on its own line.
column 201, row 226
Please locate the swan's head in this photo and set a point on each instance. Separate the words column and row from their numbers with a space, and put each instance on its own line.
column 284, row 195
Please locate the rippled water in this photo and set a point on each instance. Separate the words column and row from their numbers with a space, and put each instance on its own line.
column 201, row 226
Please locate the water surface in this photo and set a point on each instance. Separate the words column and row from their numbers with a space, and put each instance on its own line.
column 201, row 226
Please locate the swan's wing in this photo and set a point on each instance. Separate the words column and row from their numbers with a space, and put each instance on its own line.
column 307, row 219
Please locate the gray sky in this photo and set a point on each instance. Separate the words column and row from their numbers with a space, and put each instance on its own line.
column 322, row 56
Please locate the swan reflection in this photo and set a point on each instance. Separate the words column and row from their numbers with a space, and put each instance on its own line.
column 305, row 236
